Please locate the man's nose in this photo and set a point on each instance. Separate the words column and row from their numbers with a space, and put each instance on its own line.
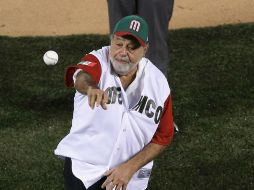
column 124, row 51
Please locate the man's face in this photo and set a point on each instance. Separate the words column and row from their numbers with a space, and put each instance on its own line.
column 125, row 55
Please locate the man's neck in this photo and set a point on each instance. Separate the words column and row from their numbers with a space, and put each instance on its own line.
column 126, row 80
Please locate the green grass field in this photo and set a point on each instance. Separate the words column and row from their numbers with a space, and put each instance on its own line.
column 211, row 75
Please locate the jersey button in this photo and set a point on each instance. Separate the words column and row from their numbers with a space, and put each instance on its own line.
column 124, row 130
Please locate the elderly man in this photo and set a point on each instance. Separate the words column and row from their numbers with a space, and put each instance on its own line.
column 158, row 14
column 122, row 117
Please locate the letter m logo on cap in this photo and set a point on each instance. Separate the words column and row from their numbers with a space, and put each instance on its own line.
column 132, row 25
column 135, row 25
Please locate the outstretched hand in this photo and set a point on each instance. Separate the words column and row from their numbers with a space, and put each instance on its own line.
column 97, row 97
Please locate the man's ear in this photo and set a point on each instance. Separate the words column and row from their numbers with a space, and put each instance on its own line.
column 146, row 48
column 111, row 37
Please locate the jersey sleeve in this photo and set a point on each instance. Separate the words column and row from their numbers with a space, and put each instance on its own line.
column 89, row 64
column 165, row 131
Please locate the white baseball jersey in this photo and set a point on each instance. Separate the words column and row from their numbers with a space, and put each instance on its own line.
column 102, row 139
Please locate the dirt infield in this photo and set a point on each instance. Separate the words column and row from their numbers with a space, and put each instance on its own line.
column 64, row 17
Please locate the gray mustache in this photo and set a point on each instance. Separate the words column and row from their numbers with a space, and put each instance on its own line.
column 125, row 60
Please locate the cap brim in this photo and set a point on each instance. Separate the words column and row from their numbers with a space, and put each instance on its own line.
column 142, row 43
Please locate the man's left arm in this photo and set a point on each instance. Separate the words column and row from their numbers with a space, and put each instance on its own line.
column 120, row 176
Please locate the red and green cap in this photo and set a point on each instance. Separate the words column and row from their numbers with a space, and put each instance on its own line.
column 132, row 25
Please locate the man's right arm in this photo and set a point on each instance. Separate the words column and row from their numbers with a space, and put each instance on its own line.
column 85, row 84
column 83, row 81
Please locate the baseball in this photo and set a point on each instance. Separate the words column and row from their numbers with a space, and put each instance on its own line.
column 50, row 57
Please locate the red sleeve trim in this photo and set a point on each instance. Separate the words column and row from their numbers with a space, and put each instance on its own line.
column 165, row 131
column 93, row 69
column 91, row 58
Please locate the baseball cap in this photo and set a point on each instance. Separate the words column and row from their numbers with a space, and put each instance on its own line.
column 132, row 25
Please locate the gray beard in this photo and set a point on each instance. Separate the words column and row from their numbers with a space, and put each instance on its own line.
column 121, row 69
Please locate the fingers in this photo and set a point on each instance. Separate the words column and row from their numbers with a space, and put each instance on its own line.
column 107, row 173
column 111, row 185
column 113, row 182
column 108, row 180
column 106, row 183
column 97, row 97
column 91, row 100
column 104, row 101
column 120, row 186
column 124, row 187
